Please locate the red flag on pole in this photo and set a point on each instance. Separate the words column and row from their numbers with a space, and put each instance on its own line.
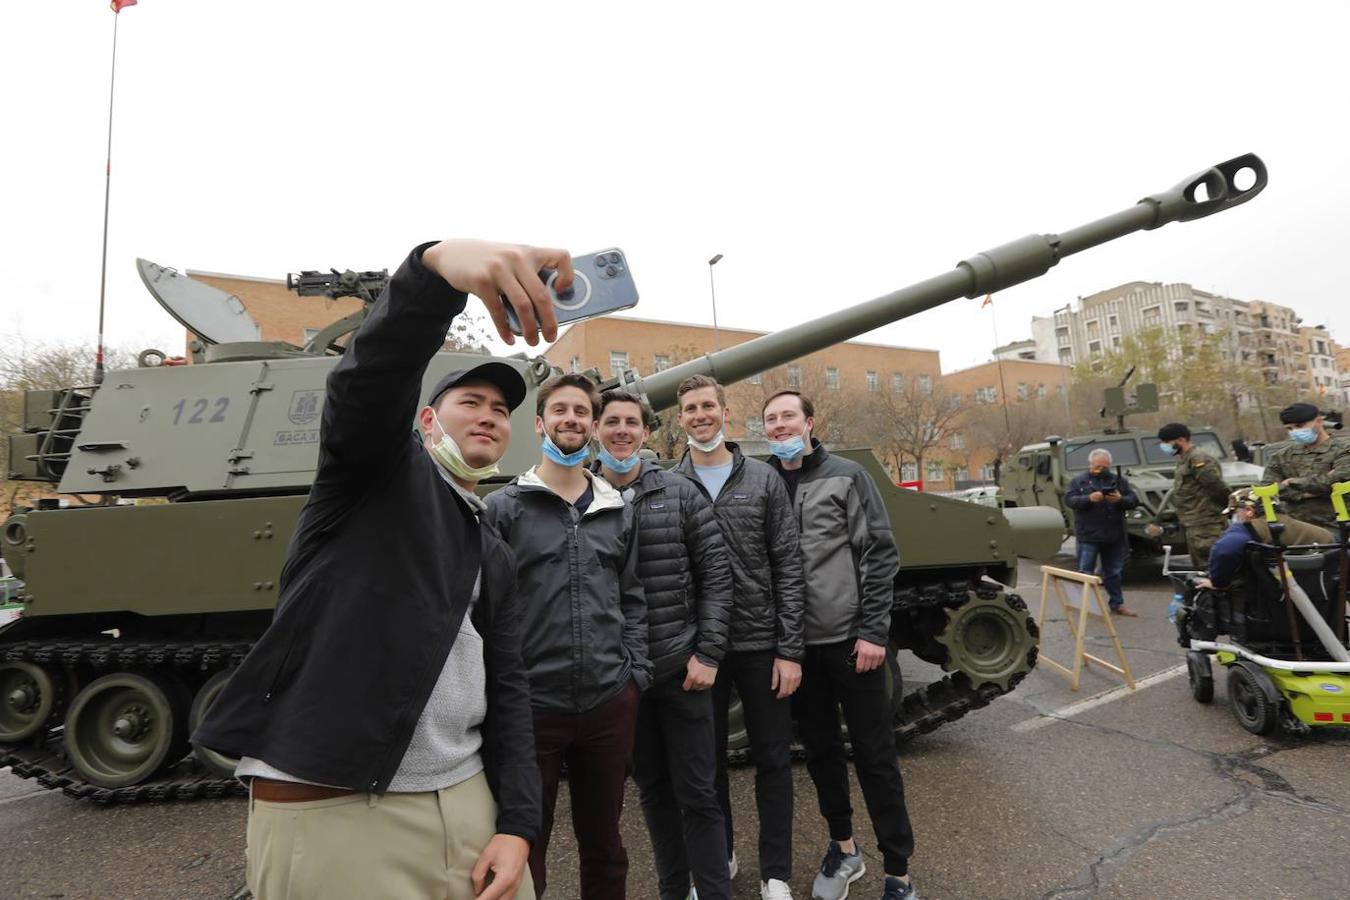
column 116, row 5
column 988, row 298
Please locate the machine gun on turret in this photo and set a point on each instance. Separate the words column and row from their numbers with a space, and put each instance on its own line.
column 1144, row 400
column 334, row 284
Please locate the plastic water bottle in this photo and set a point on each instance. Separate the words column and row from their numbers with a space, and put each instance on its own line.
column 1174, row 607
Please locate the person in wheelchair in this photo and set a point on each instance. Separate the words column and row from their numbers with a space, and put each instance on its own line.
column 1248, row 527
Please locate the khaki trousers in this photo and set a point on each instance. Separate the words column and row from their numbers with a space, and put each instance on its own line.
column 395, row 846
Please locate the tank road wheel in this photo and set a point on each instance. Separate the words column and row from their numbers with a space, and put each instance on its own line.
column 29, row 697
column 1256, row 703
column 123, row 728
column 991, row 638
column 213, row 762
column 1201, row 676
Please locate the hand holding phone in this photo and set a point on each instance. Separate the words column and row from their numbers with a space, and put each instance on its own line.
column 601, row 284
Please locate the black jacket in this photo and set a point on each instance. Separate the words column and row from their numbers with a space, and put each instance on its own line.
column 758, row 524
column 1102, row 522
column 377, row 579
column 685, row 570
column 582, row 610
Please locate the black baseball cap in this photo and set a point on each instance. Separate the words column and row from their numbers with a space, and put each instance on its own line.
column 505, row 377
column 1298, row 413
column 1173, row 430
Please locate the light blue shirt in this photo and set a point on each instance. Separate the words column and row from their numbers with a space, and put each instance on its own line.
column 714, row 478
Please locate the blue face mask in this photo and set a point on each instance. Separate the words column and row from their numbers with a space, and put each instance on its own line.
column 1304, row 435
column 1169, row 449
column 621, row 466
column 789, row 449
column 570, row 460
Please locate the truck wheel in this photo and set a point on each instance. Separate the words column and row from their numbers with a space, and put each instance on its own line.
column 1255, row 702
column 1201, row 676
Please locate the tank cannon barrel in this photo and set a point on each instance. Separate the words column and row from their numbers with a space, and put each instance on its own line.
column 1204, row 193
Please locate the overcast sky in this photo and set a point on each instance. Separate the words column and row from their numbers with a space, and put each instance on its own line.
column 832, row 152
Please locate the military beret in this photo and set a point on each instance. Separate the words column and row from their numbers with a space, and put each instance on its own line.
column 1298, row 413
column 1173, row 430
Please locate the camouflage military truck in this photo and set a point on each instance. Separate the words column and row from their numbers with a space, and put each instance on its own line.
column 1039, row 474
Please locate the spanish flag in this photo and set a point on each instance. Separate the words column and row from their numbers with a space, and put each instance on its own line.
column 116, row 5
column 988, row 298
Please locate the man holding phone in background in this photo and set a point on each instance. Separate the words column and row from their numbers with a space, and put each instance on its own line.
column 383, row 720
column 1100, row 497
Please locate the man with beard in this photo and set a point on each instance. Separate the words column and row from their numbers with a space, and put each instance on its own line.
column 763, row 659
column 584, row 630
column 686, row 576
column 383, row 719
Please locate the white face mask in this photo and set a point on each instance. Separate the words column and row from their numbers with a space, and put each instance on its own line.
column 709, row 446
column 448, row 455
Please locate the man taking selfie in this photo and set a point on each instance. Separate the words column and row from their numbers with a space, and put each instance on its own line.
column 686, row 576
column 383, row 719
column 584, row 628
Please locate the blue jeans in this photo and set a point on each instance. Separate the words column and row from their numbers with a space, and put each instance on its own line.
column 1113, row 562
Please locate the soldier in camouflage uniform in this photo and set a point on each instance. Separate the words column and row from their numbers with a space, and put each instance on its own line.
column 1199, row 493
column 1308, row 465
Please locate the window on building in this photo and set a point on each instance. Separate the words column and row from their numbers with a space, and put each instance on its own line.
column 934, row 472
column 618, row 362
column 961, row 474
column 1065, row 355
column 926, row 384
column 832, row 378
column 987, row 472
column 1115, row 341
column 574, row 365
column 1094, row 328
column 986, row 394
column 1095, row 347
column 1062, row 336
column 958, row 442
column 1181, row 306
column 871, row 381
column 795, row 377
column 909, row 472
column 897, row 381
column 1152, row 316
column 1114, row 322
column 754, row 427
column 1040, row 391
column 1022, row 390
column 661, row 362
column 1059, row 391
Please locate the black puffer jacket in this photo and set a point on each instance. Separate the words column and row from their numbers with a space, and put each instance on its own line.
column 684, row 569
column 1101, row 522
column 760, row 529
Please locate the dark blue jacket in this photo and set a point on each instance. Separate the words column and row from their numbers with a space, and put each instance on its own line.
column 1228, row 553
column 1102, row 522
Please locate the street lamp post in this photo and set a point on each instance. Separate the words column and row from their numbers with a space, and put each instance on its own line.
column 712, row 287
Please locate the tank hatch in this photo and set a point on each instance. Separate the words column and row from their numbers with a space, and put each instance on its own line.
column 213, row 315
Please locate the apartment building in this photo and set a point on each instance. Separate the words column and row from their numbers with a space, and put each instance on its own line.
column 1323, row 373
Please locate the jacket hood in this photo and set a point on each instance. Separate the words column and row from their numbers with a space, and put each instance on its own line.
column 605, row 495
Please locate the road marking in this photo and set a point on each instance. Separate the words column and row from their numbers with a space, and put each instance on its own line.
column 1101, row 699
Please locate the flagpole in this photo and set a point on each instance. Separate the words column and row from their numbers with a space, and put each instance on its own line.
column 107, row 195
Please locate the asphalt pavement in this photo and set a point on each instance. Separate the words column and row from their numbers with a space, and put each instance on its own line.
column 1046, row 793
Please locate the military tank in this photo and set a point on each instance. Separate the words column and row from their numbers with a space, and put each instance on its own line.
column 1039, row 474
column 137, row 607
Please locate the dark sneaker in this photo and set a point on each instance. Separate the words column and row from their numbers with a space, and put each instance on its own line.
column 899, row 890
column 837, row 871
column 1125, row 611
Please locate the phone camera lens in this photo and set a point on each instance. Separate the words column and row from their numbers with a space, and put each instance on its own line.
column 601, row 261
column 612, row 270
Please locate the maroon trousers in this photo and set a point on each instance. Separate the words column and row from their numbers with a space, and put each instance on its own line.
column 597, row 747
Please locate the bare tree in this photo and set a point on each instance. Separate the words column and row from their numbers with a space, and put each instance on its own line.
column 913, row 424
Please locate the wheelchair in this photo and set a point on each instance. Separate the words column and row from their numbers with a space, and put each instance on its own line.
column 1276, row 635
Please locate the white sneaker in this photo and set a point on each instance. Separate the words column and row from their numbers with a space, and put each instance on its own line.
column 733, row 864
column 773, row 889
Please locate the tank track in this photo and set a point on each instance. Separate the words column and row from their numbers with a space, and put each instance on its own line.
column 930, row 707
column 44, row 759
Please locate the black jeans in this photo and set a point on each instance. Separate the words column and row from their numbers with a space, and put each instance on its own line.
column 768, row 722
column 829, row 680
column 673, row 765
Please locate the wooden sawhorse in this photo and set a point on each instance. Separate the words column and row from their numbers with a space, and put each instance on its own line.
column 1091, row 586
